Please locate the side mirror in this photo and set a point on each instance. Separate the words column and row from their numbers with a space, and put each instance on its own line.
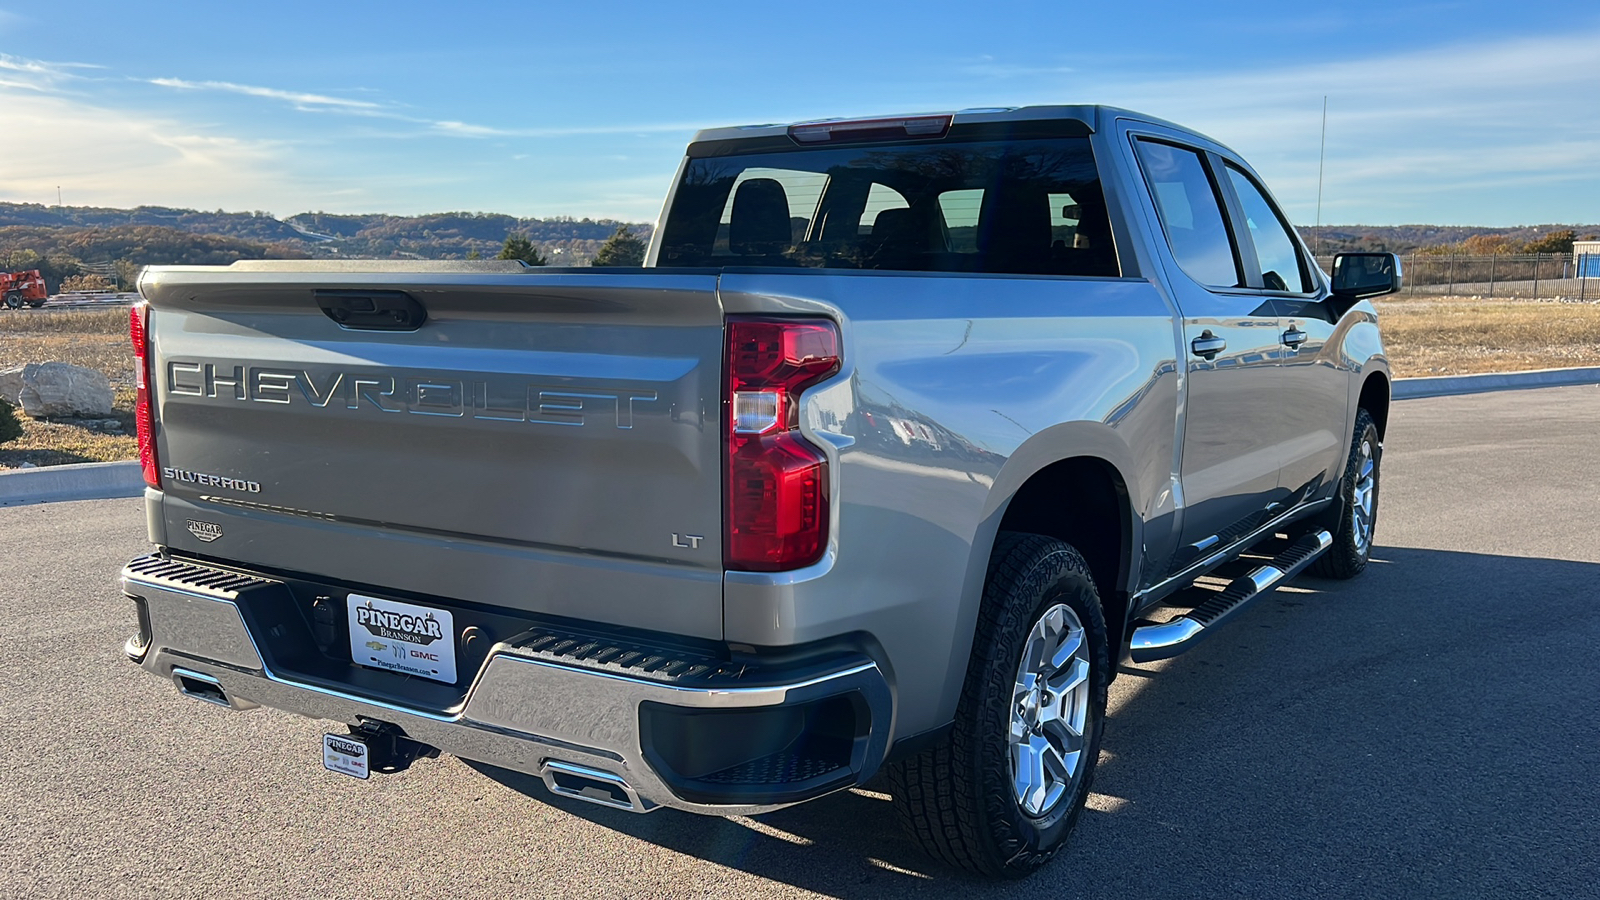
column 1357, row 276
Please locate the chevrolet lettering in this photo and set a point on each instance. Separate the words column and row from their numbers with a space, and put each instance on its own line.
column 948, row 419
column 568, row 403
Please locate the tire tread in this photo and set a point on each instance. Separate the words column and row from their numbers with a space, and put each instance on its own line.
column 939, row 793
column 1342, row 561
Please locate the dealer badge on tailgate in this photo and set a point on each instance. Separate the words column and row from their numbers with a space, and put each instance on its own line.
column 402, row 637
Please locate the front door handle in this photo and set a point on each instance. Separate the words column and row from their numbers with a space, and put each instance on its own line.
column 1294, row 337
column 1208, row 345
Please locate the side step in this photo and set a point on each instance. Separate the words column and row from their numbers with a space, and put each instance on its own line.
column 1165, row 640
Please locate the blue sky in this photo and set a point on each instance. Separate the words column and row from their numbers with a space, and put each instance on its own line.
column 1449, row 113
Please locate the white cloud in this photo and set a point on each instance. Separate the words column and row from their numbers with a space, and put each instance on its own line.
column 296, row 98
column 104, row 155
column 37, row 74
column 324, row 103
column 463, row 129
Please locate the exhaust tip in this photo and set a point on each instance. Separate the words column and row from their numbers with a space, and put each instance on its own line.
column 204, row 687
column 593, row 785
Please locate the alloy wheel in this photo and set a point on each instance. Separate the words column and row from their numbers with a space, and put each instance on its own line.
column 1361, row 511
column 1049, row 710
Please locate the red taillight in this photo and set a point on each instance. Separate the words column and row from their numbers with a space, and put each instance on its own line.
column 144, row 417
column 777, row 490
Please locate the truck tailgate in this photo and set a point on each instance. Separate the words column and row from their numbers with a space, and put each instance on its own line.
column 544, row 441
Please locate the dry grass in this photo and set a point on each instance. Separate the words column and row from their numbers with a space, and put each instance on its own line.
column 96, row 339
column 66, row 321
column 59, row 443
column 1454, row 336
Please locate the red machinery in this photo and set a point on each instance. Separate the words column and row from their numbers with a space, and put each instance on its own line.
column 18, row 288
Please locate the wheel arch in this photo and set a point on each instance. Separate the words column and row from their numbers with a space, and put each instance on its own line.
column 1043, row 500
column 1082, row 501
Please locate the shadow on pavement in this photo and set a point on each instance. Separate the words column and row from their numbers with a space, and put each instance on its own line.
column 1428, row 729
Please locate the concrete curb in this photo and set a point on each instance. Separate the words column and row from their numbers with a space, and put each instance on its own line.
column 82, row 481
column 1447, row 385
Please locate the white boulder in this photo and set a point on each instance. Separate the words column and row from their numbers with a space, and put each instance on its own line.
column 54, row 389
column 11, row 384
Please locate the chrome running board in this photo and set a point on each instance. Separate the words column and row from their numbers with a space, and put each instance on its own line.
column 1165, row 640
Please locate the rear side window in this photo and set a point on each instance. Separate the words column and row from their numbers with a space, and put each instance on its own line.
column 1191, row 213
column 1021, row 206
column 1281, row 266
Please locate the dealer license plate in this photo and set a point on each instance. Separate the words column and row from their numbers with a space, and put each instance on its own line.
column 402, row 637
column 347, row 755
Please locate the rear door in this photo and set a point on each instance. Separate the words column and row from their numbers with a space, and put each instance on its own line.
column 1231, row 339
column 544, row 441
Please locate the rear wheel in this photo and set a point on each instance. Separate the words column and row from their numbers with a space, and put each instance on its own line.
column 14, row 300
column 1002, row 791
column 1355, row 512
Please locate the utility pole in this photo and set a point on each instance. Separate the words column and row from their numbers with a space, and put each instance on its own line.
column 1322, row 155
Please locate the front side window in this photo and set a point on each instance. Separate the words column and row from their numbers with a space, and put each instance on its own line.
column 1191, row 213
column 1027, row 206
column 1281, row 266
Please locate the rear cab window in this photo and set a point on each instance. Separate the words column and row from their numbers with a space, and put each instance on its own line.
column 958, row 204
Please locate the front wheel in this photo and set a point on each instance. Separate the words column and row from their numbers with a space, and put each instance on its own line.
column 1355, row 509
column 1002, row 791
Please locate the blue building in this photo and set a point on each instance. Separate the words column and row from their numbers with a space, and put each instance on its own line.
column 1586, row 259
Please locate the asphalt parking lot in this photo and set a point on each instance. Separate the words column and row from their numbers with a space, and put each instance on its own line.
column 1431, row 729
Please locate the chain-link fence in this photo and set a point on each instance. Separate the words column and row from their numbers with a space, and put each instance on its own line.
column 1526, row 276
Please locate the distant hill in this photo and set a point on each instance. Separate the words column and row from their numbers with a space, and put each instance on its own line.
column 1330, row 239
column 119, row 251
column 454, row 235
column 157, row 235
column 149, row 245
column 258, row 227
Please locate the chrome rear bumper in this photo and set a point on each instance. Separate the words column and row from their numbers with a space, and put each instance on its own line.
column 576, row 726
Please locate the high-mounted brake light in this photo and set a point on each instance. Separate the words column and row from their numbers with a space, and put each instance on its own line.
column 144, row 416
column 777, row 488
column 897, row 129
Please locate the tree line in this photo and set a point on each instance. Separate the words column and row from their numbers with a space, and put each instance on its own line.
column 111, row 257
column 1499, row 244
column 622, row 248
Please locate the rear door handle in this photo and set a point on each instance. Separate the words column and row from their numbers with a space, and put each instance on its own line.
column 1208, row 345
column 1294, row 337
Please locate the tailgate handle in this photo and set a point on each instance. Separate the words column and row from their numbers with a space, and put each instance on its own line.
column 372, row 310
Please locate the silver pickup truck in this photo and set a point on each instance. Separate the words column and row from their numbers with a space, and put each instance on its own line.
column 909, row 432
